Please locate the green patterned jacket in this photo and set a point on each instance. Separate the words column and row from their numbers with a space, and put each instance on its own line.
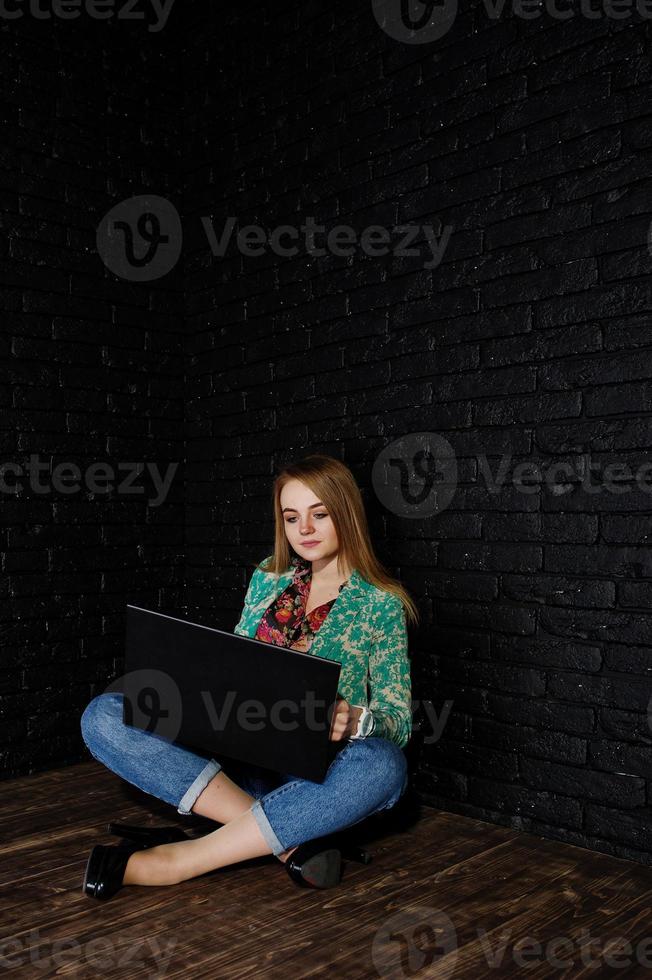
column 365, row 630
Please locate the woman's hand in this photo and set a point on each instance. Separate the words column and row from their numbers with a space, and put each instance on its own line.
column 345, row 720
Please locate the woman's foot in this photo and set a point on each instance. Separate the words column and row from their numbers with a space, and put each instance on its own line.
column 170, row 864
column 105, row 868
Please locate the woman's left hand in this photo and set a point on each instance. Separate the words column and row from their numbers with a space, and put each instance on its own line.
column 345, row 720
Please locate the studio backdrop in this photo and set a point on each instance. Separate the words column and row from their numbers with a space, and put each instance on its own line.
column 234, row 234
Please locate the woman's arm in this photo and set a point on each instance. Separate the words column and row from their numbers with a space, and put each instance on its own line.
column 390, row 689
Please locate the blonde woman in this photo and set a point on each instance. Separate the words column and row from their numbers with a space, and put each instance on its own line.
column 322, row 591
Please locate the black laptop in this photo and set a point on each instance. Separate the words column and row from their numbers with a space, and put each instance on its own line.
column 229, row 695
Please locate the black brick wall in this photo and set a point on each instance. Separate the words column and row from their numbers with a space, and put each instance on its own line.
column 92, row 371
column 531, row 340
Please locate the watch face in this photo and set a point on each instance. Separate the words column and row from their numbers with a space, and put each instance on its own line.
column 367, row 724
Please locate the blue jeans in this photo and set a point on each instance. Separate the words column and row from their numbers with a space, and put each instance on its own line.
column 366, row 775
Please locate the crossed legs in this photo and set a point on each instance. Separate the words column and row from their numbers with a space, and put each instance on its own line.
column 251, row 827
column 160, row 768
column 223, row 801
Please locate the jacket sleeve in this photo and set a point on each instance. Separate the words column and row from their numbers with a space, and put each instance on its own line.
column 390, row 689
column 250, row 598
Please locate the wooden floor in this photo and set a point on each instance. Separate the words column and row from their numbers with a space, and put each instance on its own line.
column 444, row 896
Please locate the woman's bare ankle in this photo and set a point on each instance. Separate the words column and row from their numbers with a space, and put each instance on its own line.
column 153, row 866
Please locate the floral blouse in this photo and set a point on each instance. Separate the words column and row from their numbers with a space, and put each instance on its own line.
column 368, row 637
column 285, row 622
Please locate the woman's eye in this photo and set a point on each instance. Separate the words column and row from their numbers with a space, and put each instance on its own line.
column 290, row 520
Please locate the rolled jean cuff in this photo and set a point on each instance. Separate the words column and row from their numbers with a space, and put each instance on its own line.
column 198, row 785
column 265, row 828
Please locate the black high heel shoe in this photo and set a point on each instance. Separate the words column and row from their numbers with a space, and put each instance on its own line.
column 315, row 864
column 318, row 862
column 149, row 836
column 106, row 866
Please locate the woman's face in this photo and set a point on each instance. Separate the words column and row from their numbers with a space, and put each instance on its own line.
column 306, row 519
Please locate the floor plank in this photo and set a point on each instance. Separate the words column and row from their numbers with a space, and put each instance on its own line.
column 445, row 896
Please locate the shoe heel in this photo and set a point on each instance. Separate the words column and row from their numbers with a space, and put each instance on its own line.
column 147, row 835
column 127, row 831
column 352, row 852
column 324, row 870
column 94, row 870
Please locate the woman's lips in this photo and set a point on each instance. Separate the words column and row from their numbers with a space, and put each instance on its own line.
column 310, row 544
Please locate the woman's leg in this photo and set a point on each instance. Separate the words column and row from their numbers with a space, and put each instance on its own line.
column 188, row 781
column 366, row 776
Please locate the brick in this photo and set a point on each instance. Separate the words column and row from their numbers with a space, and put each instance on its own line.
column 596, row 786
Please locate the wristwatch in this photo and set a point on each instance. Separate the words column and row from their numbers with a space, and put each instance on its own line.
column 366, row 723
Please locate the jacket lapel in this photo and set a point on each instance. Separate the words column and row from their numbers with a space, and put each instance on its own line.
column 266, row 595
column 344, row 610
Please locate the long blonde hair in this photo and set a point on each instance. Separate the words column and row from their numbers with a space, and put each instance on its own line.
column 334, row 484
